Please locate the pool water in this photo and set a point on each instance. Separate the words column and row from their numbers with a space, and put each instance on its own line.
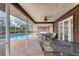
column 18, row 36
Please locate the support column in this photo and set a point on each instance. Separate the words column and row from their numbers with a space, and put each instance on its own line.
column 26, row 33
column 7, row 21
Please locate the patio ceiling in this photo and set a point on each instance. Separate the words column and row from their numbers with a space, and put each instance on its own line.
column 52, row 11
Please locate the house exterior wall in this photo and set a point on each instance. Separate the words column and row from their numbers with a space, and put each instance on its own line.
column 75, row 13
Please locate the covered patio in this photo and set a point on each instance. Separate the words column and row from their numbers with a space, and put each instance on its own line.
column 39, row 29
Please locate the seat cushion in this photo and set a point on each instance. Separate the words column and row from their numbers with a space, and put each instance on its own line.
column 48, row 48
column 47, row 43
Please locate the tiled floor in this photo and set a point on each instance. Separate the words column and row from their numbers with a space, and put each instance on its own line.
column 34, row 48
column 2, row 50
column 67, row 48
column 18, row 48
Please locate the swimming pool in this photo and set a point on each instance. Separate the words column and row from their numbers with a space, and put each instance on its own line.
column 18, row 36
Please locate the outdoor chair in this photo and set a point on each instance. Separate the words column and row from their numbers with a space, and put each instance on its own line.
column 51, row 37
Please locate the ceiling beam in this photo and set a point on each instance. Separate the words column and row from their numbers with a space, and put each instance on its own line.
column 44, row 22
column 23, row 11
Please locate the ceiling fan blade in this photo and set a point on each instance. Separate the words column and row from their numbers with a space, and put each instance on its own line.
column 49, row 18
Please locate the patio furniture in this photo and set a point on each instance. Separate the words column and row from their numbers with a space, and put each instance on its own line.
column 48, row 49
column 46, row 46
column 41, row 34
column 51, row 37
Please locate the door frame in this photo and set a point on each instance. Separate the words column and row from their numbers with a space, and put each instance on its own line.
column 7, row 24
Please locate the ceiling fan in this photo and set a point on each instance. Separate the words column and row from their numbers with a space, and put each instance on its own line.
column 47, row 18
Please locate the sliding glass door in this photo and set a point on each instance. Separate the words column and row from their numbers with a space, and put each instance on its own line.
column 65, row 30
column 4, row 29
column 60, row 30
column 15, row 29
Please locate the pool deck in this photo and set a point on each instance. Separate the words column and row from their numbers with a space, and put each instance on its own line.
column 20, row 48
